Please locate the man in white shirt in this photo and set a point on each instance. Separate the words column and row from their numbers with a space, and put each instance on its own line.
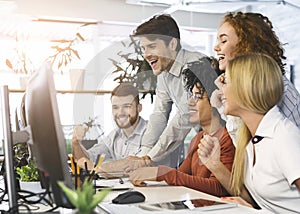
column 160, row 39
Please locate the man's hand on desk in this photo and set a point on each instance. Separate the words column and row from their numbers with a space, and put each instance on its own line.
column 138, row 176
column 134, row 162
column 113, row 166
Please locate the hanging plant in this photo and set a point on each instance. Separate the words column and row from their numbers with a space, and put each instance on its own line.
column 65, row 52
column 20, row 63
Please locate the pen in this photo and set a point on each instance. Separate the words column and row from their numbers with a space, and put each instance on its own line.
column 78, row 175
column 100, row 161
column 75, row 175
column 85, row 166
column 97, row 159
column 72, row 164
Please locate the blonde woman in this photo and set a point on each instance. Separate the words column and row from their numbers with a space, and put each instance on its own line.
column 267, row 156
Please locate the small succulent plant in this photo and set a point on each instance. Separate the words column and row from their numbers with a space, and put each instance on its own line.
column 84, row 199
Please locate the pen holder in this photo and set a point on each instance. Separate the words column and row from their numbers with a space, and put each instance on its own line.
column 78, row 178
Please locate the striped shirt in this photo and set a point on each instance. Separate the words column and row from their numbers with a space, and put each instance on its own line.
column 290, row 103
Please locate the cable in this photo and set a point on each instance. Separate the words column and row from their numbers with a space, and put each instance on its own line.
column 24, row 201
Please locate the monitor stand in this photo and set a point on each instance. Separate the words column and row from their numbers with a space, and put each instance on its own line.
column 9, row 139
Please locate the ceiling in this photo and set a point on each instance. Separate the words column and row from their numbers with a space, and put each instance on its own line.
column 56, row 19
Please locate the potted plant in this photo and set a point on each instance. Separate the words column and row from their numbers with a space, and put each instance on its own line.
column 28, row 172
column 84, row 199
column 28, row 176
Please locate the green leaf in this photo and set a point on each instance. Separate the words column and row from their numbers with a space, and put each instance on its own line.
column 98, row 197
column 81, row 202
column 71, row 194
column 28, row 172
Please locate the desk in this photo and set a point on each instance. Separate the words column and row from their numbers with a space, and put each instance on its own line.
column 155, row 194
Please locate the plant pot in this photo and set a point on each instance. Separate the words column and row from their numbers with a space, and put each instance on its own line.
column 75, row 211
column 24, row 81
column 92, row 212
column 31, row 186
column 77, row 79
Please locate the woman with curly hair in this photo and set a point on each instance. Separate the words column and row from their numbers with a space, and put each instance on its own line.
column 252, row 32
column 241, row 33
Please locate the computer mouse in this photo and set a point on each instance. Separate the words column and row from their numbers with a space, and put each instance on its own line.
column 129, row 197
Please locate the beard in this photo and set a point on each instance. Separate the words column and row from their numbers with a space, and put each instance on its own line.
column 127, row 124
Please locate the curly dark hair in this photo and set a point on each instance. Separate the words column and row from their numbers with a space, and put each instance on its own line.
column 202, row 74
column 256, row 34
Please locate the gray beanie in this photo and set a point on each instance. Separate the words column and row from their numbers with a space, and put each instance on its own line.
column 203, row 72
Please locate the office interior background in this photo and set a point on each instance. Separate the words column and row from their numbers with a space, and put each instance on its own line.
column 29, row 29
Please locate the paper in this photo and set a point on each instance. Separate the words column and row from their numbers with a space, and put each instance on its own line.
column 116, row 184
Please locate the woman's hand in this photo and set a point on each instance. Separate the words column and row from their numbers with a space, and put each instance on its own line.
column 138, row 176
column 209, row 151
column 215, row 99
column 217, row 94
column 237, row 200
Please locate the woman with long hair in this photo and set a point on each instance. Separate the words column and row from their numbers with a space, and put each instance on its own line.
column 266, row 168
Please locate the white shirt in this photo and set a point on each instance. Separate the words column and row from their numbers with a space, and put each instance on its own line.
column 116, row 145
column 277, row 164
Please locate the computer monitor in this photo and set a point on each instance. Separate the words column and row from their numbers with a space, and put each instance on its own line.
column 47, row 144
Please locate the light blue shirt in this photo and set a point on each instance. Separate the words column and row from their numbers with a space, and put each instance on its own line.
column 116, row 145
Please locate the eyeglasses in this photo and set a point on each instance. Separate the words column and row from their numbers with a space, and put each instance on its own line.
column 195, row 97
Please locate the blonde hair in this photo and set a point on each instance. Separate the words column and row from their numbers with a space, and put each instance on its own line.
column 256, row 83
